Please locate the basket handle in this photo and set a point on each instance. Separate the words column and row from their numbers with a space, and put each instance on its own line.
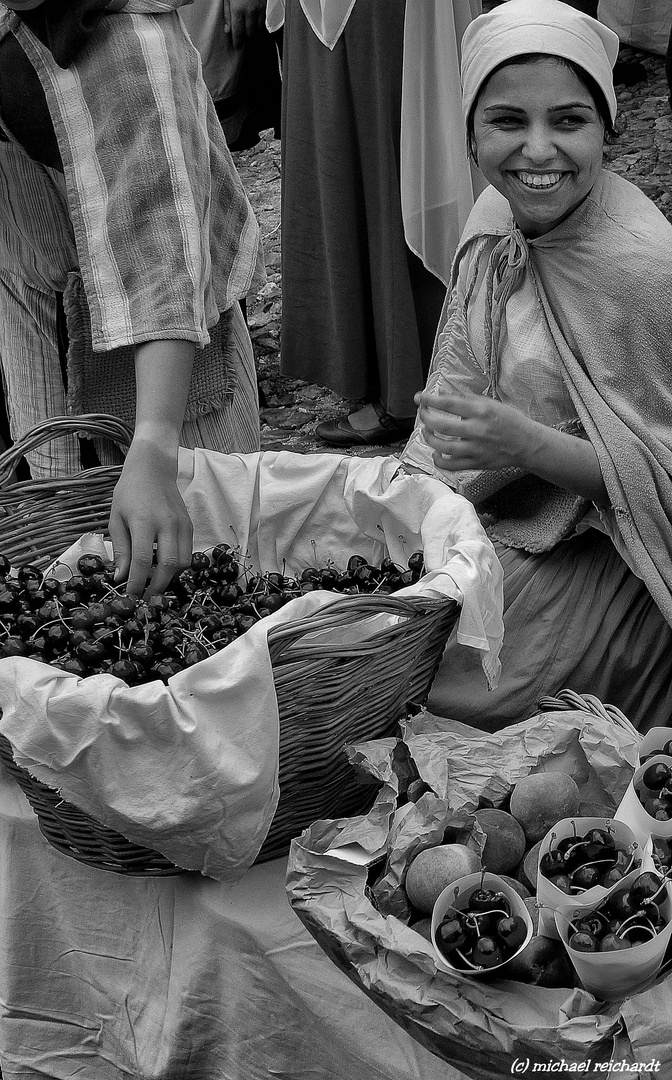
column 56, row 427
column 343, row 610
column 566, row 700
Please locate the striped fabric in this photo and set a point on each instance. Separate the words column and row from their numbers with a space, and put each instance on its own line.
column 150, row 211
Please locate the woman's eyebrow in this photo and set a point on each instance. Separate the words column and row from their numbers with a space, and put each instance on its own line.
column 554, row 109
column 572, row 105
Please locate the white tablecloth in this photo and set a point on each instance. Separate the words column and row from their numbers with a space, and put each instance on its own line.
column 183, row 978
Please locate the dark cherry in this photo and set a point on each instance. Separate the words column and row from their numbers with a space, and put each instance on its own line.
column 647, row 887
column 450, row 934
column 90, row 564
column 486, row 952
column 14, row 646
column 91, row 652
column 512, row 931
column 594, row 924
column 582, row 941
column 586, row 877
column 622, row 904
column 123, row 607
column 657, row 776
column 614, row 942
column 612, row 876
column 80, row 618
column 662, row 852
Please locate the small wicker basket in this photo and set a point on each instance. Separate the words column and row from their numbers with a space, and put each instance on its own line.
column 328, row 696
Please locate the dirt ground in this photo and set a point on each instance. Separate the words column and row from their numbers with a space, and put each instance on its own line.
column 290, row 409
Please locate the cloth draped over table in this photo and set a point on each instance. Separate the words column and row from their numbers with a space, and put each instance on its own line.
column 604, row 282
column 438, row 185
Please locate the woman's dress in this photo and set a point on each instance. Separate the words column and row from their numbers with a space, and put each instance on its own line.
column 577, row 610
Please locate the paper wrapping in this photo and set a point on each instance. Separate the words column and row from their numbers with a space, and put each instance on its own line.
column 480, row 1027
column 190, row 769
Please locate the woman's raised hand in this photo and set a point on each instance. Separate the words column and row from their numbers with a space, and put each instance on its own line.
column 469, row 431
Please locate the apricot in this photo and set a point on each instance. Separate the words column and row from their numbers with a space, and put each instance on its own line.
column 433, row 869
column 518, row 886
column 504, row 840
column 423, row 927
column 540, row 800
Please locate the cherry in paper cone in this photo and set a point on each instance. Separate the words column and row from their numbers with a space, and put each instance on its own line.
column 550, row 897
column 612, row 976
column 457, row 896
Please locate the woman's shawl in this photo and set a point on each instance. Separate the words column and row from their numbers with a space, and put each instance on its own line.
column 604, row 278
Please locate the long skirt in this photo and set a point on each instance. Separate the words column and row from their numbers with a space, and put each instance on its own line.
column 359, row 310
column 576, row 618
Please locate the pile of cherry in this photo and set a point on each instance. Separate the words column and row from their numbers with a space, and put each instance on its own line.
column 578, row 863
column 627, row 917
column 482, row 933
column 86, row 625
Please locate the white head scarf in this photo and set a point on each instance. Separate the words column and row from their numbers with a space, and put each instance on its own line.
column 537, row 26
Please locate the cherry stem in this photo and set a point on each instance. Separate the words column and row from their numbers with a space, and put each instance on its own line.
column 469, row 963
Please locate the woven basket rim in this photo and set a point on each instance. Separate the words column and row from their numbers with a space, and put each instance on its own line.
column 418, row 616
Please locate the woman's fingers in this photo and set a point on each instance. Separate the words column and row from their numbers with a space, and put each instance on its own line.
column 173, row 553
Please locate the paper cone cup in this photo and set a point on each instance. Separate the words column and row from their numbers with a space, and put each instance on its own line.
column 457, row 896
column 653, row 742
column 611, row 976
column 550, row 897
column 632, row 812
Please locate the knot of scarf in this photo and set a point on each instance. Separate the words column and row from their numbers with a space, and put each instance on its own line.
column 506, row 269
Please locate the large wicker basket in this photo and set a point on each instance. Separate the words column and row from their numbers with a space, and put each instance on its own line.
column 328, row 696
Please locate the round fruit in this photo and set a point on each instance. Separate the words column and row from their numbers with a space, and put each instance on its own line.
column 517, row 886
column 504, row 841
column 657, row 776
column 512, row 931
column 486, row 953
column 423, row 927
column 613, row 943
column 435, row 868
column 582, row 941
column 539, row 801
column 543, row 962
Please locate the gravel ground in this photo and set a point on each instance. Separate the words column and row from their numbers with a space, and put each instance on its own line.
column 290, row 410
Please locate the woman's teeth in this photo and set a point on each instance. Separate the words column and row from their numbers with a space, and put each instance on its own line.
column 539, row 180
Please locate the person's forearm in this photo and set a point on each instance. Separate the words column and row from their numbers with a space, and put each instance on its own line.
column 163, row 374
column 566, row 461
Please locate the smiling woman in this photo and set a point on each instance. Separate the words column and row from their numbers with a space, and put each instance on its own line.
column 540, row 140
column 549, row 396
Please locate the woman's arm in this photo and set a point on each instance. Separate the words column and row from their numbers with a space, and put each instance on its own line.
column 470, row 431
column 147, row 507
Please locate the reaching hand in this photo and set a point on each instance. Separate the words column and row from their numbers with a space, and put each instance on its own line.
column 243, row 18
column 147, row 509
column 469, row 431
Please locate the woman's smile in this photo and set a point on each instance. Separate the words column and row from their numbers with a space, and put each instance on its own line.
column 539, row 140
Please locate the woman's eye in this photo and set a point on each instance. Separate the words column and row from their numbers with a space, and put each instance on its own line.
column 506, row 121
column 571, row 121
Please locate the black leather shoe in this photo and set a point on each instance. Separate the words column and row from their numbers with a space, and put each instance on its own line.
column 340, row 432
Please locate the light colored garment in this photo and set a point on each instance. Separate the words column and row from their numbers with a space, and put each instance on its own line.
column 438, row 185
column 603, row 278
column 169, row 140
column 644, row 24
column 174, row 979
column 161, row 266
